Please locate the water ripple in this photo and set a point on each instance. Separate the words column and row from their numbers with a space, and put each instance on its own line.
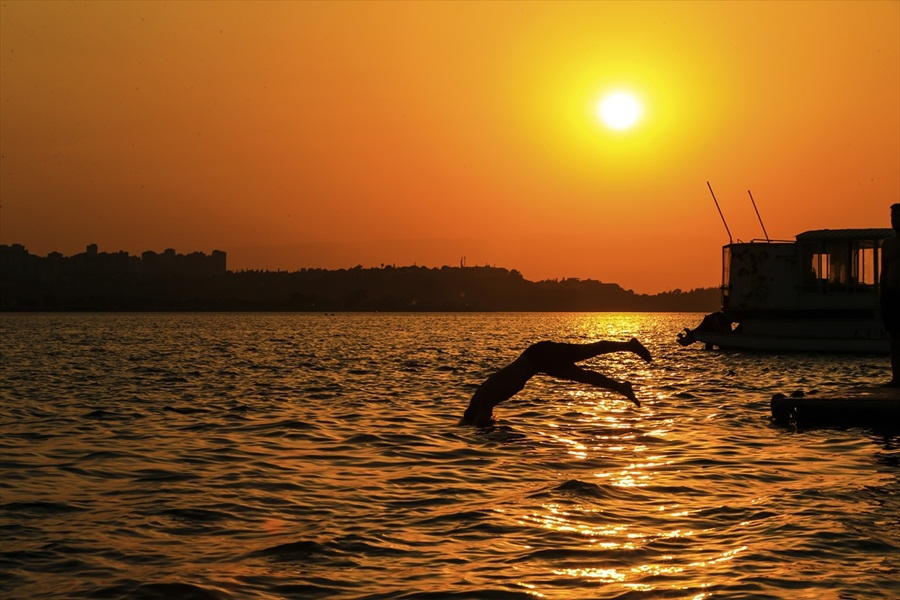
column 302, row 456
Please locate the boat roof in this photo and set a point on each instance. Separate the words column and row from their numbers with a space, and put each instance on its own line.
column 845, row 234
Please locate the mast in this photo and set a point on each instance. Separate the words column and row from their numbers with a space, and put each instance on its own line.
column 730, row 239
column 759, row 217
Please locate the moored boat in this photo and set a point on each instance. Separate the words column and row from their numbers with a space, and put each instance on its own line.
column 818, row 293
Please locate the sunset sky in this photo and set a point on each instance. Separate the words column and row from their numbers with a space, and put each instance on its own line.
column 304, row 134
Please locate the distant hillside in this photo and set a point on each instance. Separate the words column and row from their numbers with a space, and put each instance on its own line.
column 44, row 284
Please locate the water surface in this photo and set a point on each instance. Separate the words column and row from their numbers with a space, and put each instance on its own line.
column 317, row 456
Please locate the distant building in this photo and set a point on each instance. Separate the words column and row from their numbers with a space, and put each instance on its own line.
column 17, row 264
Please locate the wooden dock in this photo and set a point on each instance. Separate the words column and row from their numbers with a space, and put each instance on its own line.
column 874, row 407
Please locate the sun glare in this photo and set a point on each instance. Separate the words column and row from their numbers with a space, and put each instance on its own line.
column 619, row 110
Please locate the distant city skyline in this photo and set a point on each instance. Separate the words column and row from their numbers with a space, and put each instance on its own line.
column 117, row 281
column 561, row 139
column 17, row 259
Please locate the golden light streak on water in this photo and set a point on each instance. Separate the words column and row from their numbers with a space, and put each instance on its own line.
column 608, row 575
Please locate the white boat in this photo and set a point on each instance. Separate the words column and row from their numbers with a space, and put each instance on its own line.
column 816, row 294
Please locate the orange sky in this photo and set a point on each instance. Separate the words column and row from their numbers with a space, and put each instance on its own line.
column 334, row 134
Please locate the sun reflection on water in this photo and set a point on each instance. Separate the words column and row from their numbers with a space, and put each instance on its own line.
column 605, row 575
column 635, row 578
column 603, row 519
column 559, row 519
column 635, row 474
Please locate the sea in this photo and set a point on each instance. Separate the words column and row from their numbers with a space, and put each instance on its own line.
column 272, row 456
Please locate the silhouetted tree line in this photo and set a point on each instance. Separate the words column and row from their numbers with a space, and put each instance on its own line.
column 386, row 288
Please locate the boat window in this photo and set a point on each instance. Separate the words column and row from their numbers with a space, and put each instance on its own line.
column 726, row 276
column 819, row 265
column 864, row 271
column 841, row 262
column 830, row 267
column 839, row 270
column 840, row 266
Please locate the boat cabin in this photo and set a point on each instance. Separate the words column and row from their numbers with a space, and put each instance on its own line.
column 823, row 269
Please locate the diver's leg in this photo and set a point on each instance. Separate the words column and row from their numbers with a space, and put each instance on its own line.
column 560, row 352
column 575, row 373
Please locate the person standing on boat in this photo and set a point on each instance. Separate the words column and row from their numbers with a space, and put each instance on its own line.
column 890, row 292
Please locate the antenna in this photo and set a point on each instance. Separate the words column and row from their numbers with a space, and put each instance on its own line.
column 730, row 239
column 759, row 217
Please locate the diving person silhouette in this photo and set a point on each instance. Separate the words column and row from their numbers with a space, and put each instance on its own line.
column 556, row 359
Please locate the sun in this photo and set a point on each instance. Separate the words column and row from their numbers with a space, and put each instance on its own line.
column 619, row 110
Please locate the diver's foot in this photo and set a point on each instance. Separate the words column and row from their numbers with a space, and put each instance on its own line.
column 627, row 390
column 638, row 348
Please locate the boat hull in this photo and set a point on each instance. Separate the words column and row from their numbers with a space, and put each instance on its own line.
column 757, row 343
column 801, row 335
